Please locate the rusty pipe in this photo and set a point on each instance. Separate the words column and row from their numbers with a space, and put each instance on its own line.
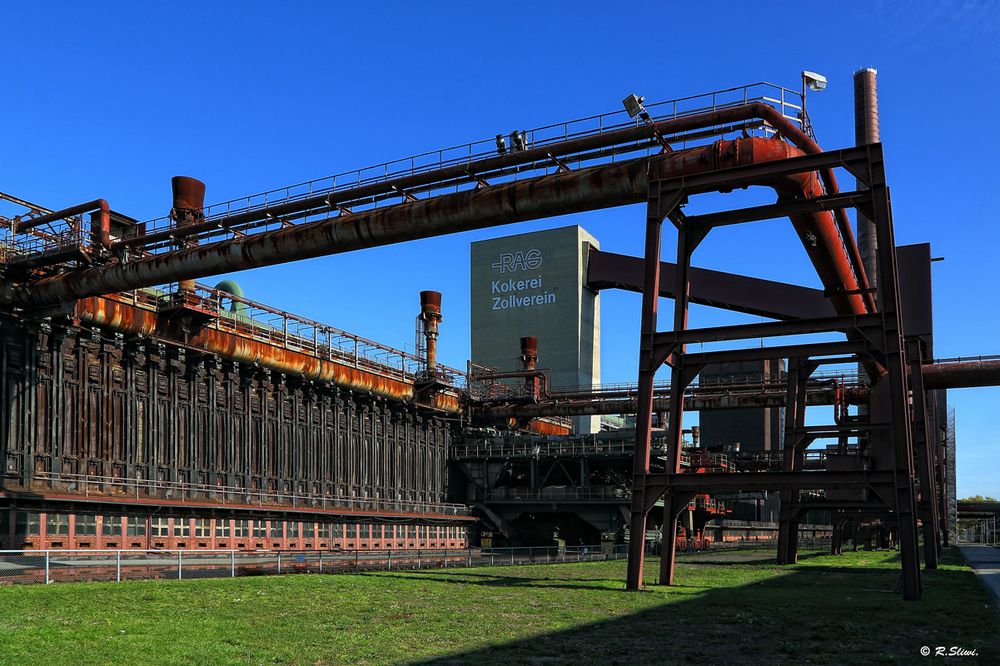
column 556, row 194
column 529, row 362
column 100, row 227
column 758, row 111
column 430, row 314
column 188, row 209
column 962, row 374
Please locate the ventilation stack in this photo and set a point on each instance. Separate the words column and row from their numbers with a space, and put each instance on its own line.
column 189, row 208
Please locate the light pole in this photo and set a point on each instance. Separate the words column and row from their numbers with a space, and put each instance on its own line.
column 814, row 82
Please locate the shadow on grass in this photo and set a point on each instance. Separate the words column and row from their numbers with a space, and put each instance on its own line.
column 490, row 580
column 806, row 615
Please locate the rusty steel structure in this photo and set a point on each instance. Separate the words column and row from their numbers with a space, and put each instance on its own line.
column 127, row 384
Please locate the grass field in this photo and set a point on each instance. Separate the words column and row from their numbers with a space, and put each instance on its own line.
column 740, row 608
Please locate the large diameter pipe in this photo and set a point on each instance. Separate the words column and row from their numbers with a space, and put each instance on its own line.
column 963, row 374
column 188, row 209
column 546, row 196
column 756, row 111
column 866, row 131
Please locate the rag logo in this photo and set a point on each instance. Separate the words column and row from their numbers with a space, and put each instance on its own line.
column 508, row 262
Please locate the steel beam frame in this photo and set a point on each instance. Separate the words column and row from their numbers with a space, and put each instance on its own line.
column 876, row 339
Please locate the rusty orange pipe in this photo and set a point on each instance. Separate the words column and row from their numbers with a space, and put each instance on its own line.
column 580, row 190
column 100, row 228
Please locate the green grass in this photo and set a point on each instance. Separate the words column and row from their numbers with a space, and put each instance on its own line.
column 738, row 609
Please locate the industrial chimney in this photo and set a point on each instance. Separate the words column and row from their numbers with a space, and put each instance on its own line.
column 866, row 130
column 188, row 208
column 529, row 362
column 430, row 314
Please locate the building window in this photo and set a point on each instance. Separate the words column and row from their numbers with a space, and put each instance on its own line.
column 159, row 527
column 323, row 531
column 182, row 527
column 135, row 526
column 85, row 526
column 202, row 528
column 308, row 530
column 338, row 531
column 111, row 526
column 365, row 531
column 241, row 529
column 352, row 531
column 293, row 529
column 276, row 531
column 56, row 524
column 222, row 528
column 260, row 529
column 411, row 531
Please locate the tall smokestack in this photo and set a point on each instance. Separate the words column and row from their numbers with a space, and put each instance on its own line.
column 430, row 313
column 188, row 208
column 866, row 131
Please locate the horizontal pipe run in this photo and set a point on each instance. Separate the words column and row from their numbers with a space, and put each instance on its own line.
column 546, row 196
column 601, row 406
column 964, row 374
column 100, row 228
column 143, row 275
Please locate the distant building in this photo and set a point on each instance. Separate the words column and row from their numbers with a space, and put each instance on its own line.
column 534, row 285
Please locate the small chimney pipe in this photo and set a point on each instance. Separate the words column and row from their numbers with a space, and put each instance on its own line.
column 430, row 313
column 529, row 362
column 188, row 208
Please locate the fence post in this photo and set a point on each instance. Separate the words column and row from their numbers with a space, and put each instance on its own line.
column 47, row 581
column 390, row 559
column 491, row 558
column 512, row 557
column 118, row 567
column 321, row 561
column 470, row 556
column 279, row 561
column 445, row 558
column 418, row 558
column 356, row 560
column 180, row 565
column 232, row 564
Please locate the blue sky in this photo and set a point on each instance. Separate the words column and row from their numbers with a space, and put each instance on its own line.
column 113, row 100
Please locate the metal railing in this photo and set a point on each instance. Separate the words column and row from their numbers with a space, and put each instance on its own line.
column 90, row 484
column 52, row 566
column 788, row 102
column 257, row 321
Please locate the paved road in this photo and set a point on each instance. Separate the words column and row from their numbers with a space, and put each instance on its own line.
column 985, row 561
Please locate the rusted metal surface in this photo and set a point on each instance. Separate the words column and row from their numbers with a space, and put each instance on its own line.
column 962, row 373
column 129, row 318
column 430, row 314
column 110, row 414
column 544, row 196
column 709, row 399
column 100, row 225
column 189, row 202
column 866, row 130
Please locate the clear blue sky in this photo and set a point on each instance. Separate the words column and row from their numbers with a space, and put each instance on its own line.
column 113, row 100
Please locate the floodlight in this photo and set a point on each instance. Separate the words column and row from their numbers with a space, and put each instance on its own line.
column 633, row 104
column 518, row 140
column 501, row 145
column 816, row 82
